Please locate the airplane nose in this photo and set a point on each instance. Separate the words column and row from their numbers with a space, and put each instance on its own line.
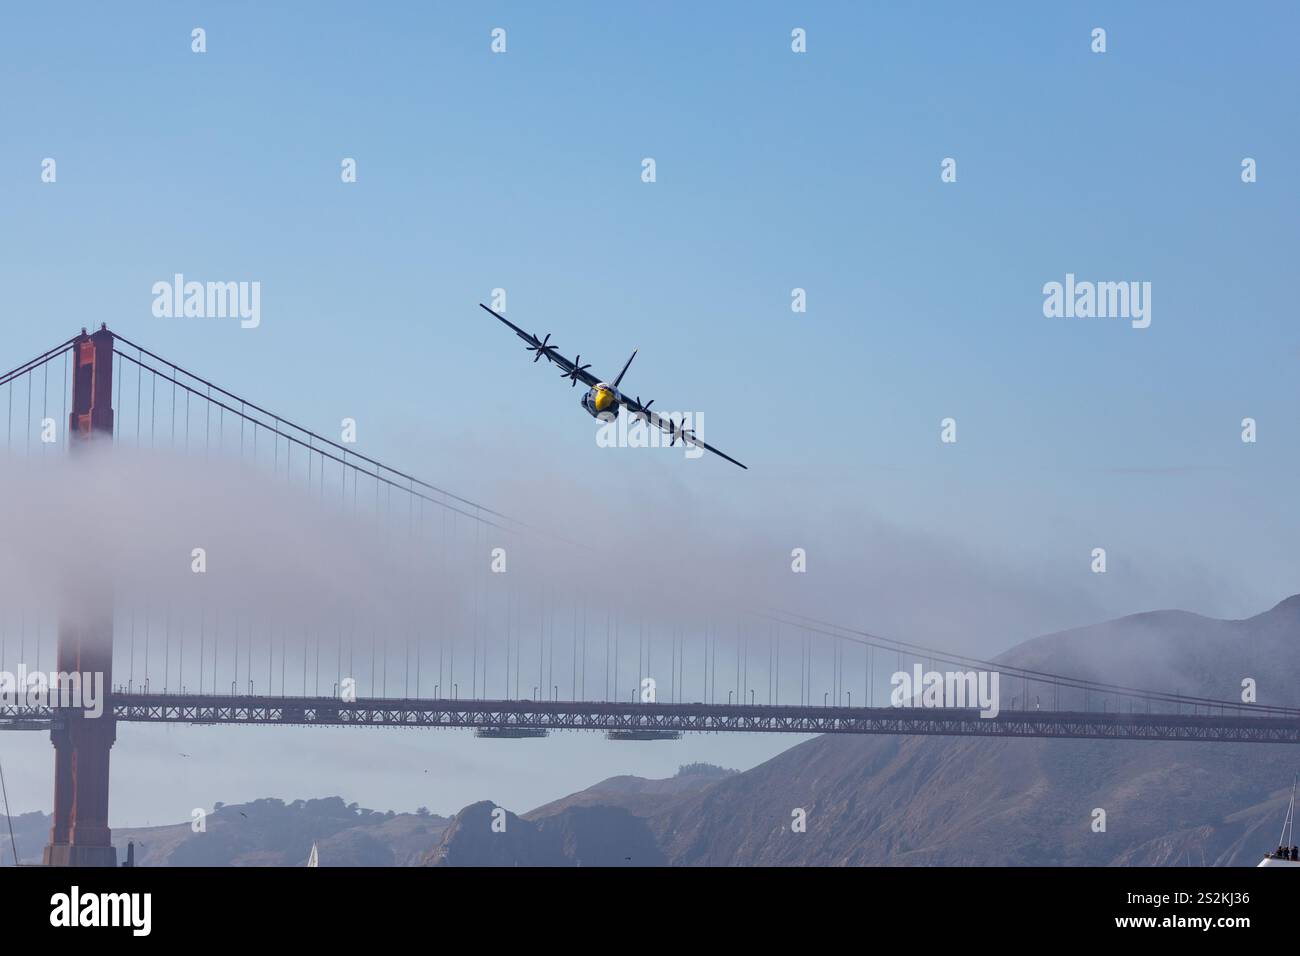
column 603, row 399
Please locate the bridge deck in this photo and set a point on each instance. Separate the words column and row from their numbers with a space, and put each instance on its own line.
column 1241, row 727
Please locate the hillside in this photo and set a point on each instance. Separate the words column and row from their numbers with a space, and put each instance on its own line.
column 943, row 801
column 266, row 833
column 604, row 825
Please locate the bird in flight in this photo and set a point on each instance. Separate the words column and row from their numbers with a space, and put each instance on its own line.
column 602, row 400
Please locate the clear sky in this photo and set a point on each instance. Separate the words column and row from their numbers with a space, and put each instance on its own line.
column 774, row 170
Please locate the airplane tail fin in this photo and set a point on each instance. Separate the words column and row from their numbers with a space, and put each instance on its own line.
column 624, row 372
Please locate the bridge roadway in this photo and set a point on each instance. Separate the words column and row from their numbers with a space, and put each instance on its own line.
column 526, row 718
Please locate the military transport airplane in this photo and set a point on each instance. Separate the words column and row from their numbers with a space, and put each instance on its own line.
column 602, row 400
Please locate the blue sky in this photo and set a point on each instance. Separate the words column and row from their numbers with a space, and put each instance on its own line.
column 775, row 171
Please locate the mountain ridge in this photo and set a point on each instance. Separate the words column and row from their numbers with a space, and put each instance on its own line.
column 873, row 800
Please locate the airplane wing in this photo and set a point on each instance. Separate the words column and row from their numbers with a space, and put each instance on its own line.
column 673, row 428
column 568, row 369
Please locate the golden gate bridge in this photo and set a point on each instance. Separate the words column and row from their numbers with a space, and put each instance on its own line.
column 221, row 666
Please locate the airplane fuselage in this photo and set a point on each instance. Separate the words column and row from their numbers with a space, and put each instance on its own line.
column 601, row 400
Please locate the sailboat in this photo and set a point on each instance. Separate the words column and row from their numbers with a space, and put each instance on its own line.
column 1286, row 854
column 314, row 859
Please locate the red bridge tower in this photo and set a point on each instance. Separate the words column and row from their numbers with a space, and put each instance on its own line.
column 80, row 835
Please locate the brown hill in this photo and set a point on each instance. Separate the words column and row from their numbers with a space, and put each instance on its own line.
column 576, row 835
column 267, row 833
column 637, row 794
column 925, row 801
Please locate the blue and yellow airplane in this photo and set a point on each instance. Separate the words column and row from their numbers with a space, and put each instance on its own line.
column 602, row 400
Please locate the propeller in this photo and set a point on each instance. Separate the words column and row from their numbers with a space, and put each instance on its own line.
column 675, row 431
column 644, row 413
column 572, row 374
column 542, row 349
